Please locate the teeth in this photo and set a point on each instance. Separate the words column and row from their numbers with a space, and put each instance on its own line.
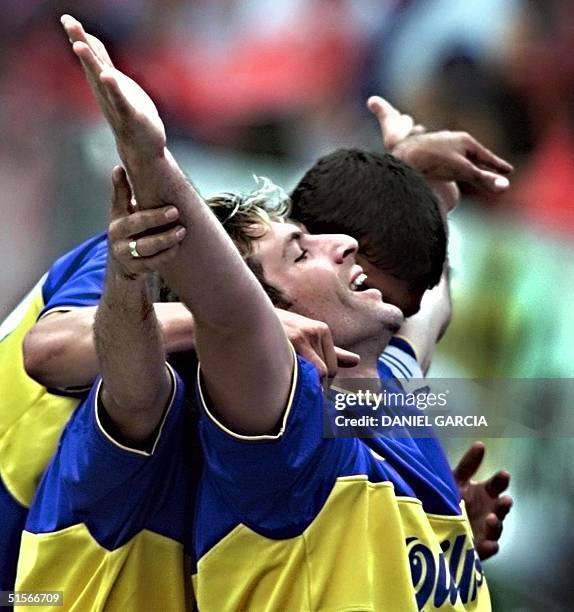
column 358, row 281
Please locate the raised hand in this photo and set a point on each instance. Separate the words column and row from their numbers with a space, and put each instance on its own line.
column 440, row 156
column 486, row 507
column 455, row 156
column 131, row 113
column 395, row 126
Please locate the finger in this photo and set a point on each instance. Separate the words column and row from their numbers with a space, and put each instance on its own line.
column 486, row 549
column 149, row 246
column 76, row 33
column 493, row 528
column 141, row 221
column 99, row 49
column 74, row 29
column 394, row 125
column 109, row 80
column 122, row 194
column 503, row 507
column 145, row 265
column 328, row 351
column 483, row 179
column 346, row 359
column 93, row 68
column 498, row 483
column 306, row 351
column 89, row 59
column 487, row 158
column 469, row 463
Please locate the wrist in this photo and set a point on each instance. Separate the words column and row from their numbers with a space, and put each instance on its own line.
column 118, row 276
column 155, row 179
column 407, row 150
column 141, row 159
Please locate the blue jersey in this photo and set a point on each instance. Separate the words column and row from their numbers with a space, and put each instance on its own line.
column 296, row 521
column 31, row 417
column 292, row 521
column 399, row 361
column 110, row 524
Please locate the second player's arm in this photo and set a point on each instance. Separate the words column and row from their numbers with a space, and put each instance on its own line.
column 424, row 329
column 59, row 350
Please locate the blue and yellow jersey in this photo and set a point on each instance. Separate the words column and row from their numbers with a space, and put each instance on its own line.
column 287, row 522
column 31, row 417
column 110, row 524
column 299, row 522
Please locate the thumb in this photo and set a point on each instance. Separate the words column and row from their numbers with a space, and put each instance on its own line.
column 346, row 359
column 121, row 197
column 394, row 125
column 469, row 464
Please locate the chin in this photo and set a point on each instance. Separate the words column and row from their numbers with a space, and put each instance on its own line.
column 393, row 318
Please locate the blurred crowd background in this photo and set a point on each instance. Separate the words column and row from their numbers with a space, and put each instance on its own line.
column 253, row 86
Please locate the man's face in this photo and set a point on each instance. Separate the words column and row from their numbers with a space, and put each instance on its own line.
column 395, row 290
column 317, row 274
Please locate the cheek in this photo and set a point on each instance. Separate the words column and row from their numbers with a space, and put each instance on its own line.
column 317, row 296
column 312, row 282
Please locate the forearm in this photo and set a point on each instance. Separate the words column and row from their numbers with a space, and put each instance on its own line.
column 424, row 329
column 208, row 258
column 59, row 350
column 448, row 197
column 131, row 357
column 236, row 325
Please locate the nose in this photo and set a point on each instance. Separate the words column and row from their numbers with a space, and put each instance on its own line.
column 343, row 247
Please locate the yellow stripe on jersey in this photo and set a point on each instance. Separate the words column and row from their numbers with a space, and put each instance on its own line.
column 363, row 551
column 147, row 573
column 27, row 411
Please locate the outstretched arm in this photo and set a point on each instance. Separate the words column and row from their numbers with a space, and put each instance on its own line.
column 236, row 326
column 59, row 350
column 443, row 158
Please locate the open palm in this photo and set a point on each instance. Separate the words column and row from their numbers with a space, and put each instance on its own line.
column 131, row 113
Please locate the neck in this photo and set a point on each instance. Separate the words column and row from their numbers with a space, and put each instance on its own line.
column 368, row 350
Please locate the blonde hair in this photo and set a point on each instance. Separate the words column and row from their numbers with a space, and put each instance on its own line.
column 246, row 216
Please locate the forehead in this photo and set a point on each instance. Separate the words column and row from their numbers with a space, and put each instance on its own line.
column 278, row 237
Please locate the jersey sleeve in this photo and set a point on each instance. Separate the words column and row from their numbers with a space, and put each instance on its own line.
column 273, row 481
column 113, row 489
column 77, row 278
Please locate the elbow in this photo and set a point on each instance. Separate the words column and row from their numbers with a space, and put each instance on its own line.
column 37, row 356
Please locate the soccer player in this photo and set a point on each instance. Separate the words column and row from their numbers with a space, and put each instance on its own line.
column 276, row 501
column 49, row 334
column 31, row 416
column 59, row 349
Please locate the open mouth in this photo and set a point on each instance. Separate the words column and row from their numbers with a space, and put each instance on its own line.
column 358, row 284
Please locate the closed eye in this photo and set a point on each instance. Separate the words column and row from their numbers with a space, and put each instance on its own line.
column 303, row 256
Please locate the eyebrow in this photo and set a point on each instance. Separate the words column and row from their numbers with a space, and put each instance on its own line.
column 289, row 240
